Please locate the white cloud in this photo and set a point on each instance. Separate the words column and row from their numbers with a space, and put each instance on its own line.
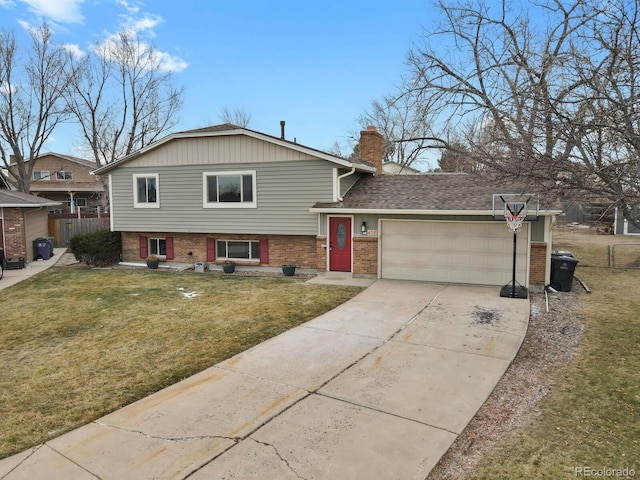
column 74, row 49
column 170, row 63
column 144, row 24
column 59, row 11
column 132, row 9
column 164, row 61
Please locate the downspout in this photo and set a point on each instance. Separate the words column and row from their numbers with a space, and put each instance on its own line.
column 344, row 175
column 71, row 203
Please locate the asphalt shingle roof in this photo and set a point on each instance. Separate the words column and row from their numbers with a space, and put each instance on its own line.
column 450, row 192
column 19, row 199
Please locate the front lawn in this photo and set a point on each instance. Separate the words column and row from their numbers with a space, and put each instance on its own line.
column 77, row 343
column 589, row 425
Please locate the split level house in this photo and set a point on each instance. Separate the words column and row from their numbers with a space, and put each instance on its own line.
column 227, row 193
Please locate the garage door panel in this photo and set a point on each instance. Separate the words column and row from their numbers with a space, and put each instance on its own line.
column 455, row 252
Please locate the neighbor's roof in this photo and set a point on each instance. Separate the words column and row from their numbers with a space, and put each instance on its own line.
column 80, row 161
column 11, row 198
column 442, row 193
column 227, row 129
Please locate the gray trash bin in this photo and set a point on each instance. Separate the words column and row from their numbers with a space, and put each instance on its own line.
column 563, row 268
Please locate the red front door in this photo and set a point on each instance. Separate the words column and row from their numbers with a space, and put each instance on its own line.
column 340, row 244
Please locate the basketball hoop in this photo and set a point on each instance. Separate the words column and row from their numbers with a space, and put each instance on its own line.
column 514, row 222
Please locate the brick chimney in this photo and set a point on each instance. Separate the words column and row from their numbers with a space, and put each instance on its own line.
column 371, row 148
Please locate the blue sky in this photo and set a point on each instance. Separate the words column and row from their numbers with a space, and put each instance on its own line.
column 316, row 65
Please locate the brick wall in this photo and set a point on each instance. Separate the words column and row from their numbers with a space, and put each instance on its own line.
column 365, row 255
column 321, row 253
column 371, row 147
column 538, row 266
column 14, row 233
column 283, row 249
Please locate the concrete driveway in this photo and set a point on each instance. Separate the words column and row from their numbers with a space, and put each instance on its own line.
column 378, row 388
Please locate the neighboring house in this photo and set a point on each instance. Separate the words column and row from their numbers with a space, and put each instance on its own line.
column 23, row 218
column 394, row 168
column 67, row 180
column 229, row 193
column 622, row 226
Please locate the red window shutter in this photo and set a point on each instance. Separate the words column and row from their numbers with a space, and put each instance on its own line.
column 211, row 249
column 169, row 247
column 264, row 251
column 144, row 247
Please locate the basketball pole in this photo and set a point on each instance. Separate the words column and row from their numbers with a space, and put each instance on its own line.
column 513, row 292
column 513, row 266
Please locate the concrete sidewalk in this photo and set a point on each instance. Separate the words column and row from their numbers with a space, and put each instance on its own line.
column 11, row 277
column 378, row 388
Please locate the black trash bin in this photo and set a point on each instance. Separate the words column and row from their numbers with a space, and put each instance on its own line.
column 562, row 269
column 42, row 248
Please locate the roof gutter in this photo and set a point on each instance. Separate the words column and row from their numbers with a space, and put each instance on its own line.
column 344, row 175
column 399, row 211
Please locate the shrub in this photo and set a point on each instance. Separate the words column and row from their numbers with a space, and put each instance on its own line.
column 97, row 249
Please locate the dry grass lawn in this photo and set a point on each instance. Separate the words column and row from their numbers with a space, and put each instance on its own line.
column 592, row 418
column 77, row 343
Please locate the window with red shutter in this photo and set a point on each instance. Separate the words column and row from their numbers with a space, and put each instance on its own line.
column 211, row 249
column 144, row 247
column 169, row 248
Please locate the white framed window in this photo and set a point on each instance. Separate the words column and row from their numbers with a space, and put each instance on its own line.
column 146, row 192
column 64, row 175
column 158, row 247
column 41, row 175
column 229, row 189
column 238, row 249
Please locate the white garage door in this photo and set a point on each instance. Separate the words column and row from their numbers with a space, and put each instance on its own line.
column 479, row 253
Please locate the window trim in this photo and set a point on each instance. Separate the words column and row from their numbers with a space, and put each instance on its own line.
column 234, row 173
column 42, row 179
column 136, row 202
column 69, row 172
column 157, row 241
column 235, row 259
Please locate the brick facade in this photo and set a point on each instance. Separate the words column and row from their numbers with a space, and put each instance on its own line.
column 283, row 249
column 538, row 265
column 365, row 255
column 14, row 233
column 321, row 253
column 302, row 250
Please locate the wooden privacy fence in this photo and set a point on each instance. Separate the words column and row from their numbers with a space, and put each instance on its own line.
column 62, row 229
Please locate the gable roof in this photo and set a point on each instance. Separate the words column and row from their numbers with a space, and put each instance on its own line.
column 11, row 198
column 80, row 161
column 227, row 129
column 430, row 193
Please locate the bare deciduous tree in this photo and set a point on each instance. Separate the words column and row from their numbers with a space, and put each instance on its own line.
column 123, row 99
column 405, row 128
column 237, row 116
column 31, row 102
column 550, row 93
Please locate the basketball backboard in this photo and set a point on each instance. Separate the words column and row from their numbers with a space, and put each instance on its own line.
column 525, row 204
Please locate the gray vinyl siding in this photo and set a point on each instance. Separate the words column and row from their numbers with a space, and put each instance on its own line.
column 285, row 191
column 217, row 150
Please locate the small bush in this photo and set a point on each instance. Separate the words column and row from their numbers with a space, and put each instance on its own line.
column 97, row 249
